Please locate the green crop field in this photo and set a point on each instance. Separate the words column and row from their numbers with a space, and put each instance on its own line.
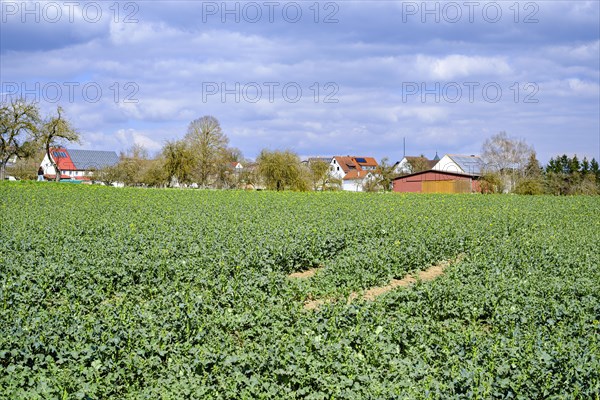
column 112, row 293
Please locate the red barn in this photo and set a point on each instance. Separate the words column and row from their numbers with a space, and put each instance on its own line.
column 437, row 182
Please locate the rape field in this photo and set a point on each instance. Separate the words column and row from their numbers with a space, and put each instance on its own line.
column 169, row 294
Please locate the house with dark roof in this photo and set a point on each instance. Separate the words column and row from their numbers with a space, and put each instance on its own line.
column 353, row 171
column 318, row 159
column 77, row 164
column 410, row 164
column 308, row 161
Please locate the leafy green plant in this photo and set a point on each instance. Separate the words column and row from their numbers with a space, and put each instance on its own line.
column 134, row 293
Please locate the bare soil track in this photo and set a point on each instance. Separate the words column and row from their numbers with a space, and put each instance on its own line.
column 371, row 294
column 305, row 274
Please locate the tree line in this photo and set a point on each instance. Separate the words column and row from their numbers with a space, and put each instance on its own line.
column 511, row 166
column 25, row 134
column 203, row 158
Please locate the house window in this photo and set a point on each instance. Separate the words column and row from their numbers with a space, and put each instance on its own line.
column 338, row 168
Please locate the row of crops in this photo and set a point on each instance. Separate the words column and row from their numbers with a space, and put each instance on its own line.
column 168, row 294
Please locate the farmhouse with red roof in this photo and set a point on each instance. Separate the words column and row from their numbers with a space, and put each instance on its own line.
column 354, row 171
column 77, row 164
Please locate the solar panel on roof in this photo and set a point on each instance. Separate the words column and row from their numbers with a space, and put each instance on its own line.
column 85, row 159
column 361, row 160
column 470, row 165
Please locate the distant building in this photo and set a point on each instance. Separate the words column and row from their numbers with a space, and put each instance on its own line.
column 471, row 165
column 354, row 181
column 433, row 181
column 409, row 163
column 12, row 160
column 311, row 160
column 341, row 165
column 236, row 166
column 353, row 171
column 77, row 164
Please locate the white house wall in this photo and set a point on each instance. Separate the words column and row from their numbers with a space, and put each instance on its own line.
column 47, row 166
column 336, row 170
column 447, row 165
column 402, row 167
column 352, row 186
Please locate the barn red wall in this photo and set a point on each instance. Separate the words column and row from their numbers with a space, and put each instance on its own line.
column 407, row 187
column 412, row 184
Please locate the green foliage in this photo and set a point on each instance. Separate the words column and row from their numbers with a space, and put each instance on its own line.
column 385, row 174
column 281, row 170
column 566, row 176
column 26, row 167
column 587, row 185
column 178, row 161
column 491, row 182
column 184, row 294
column 319, row 174
column 418, row 164
column 533, row 169
column 19, row 126
column 531, row 186
column 135, row 168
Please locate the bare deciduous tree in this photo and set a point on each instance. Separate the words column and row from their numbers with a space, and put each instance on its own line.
column 418, row 164
column 506, row 157
column 502, row 153
column 319, row 171
column 55, row 132
column 19, row 122
column 385, row 174
column 208, row 143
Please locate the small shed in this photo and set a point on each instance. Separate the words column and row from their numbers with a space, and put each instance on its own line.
column 437, row 182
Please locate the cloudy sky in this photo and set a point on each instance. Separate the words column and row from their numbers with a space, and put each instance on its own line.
column 320, row 78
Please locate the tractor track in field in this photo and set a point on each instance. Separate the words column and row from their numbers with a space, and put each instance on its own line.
column 306, row 273
column 371, row 294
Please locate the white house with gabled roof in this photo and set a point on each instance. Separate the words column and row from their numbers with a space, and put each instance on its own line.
column 462, row 164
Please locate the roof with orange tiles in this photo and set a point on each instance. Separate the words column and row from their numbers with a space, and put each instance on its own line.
column 365, row 161
column 355, row 174
column 350, row 163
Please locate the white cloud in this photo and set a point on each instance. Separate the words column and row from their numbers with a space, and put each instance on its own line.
column 578, row 86
column 574, row 53
column 461, row 66
column 129, row 137
column 169, row 55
